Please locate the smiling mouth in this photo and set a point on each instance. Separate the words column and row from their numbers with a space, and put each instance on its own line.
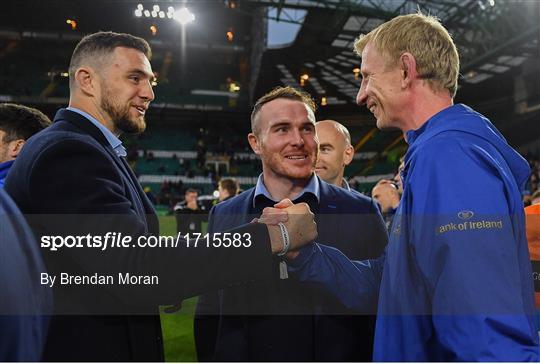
column 297, row 157
column 140, row 109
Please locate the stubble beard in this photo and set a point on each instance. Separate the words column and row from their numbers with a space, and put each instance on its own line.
column 274, row 163
column 120, row 114
column 3, row 152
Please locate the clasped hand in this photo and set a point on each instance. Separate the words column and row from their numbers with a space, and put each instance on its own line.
column 298, row 220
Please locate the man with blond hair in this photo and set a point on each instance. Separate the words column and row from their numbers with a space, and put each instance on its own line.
column 455, row 281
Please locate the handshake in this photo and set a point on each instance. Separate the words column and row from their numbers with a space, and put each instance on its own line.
column 298, row 222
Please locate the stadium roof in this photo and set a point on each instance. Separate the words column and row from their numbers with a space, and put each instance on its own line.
column 497, row 40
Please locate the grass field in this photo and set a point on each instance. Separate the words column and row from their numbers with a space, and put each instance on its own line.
column 177, row 327
column 178, row 333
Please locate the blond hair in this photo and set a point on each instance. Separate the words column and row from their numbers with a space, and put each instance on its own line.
column 436, row 55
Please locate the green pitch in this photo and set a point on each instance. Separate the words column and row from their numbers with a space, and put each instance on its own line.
column 177, row 327
column 178, row 333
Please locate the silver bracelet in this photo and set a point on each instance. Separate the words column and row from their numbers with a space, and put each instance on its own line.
column 285, row 239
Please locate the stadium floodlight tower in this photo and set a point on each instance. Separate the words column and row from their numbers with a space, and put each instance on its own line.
column 184, row 16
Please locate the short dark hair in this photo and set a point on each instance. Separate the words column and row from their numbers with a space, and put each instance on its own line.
column 230, row 185
column 21, row 122
column 280, row 93
column 96, row 46
column 190, row 190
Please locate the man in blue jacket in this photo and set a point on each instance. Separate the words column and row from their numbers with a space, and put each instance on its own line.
column 455, row 283
column 282, row 319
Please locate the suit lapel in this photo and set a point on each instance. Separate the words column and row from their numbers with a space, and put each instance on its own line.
column 247, row 207
column 329, row 209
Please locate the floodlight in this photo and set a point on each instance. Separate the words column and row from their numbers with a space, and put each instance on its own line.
column 184, row 16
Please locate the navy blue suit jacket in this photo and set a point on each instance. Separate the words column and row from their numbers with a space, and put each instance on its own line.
column 25, row 302
column 285, row 320
column 71, row 181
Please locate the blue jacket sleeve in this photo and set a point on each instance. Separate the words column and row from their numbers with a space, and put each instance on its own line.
column 464, row 230
column 354, row 283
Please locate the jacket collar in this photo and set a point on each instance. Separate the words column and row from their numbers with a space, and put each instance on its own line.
column 82, row 123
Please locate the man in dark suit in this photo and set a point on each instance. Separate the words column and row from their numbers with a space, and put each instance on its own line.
column 282, row 320
column 73, row 180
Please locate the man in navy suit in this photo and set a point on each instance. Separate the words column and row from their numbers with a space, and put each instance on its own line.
column 281, row 319
column 25, row 303
column 73, row 180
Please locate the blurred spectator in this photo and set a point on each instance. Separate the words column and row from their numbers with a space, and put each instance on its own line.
column 189, row 213
column 535, row 198
column 532, row 216
column 201, row 153
column 532, row 184
column 227, row 188
column 387, row 195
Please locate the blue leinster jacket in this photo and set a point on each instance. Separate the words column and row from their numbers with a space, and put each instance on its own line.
column 455, row 281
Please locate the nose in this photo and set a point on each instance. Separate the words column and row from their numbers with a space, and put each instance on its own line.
column 297, row 138
column 361, row 97
column 147, row 93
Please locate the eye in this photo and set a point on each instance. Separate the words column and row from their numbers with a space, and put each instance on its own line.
column 135, row 78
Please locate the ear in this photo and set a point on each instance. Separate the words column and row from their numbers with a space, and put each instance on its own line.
column 254, row 143
column 15, row 147
column 86, row 80
column 408, row 69
column 348, row 155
